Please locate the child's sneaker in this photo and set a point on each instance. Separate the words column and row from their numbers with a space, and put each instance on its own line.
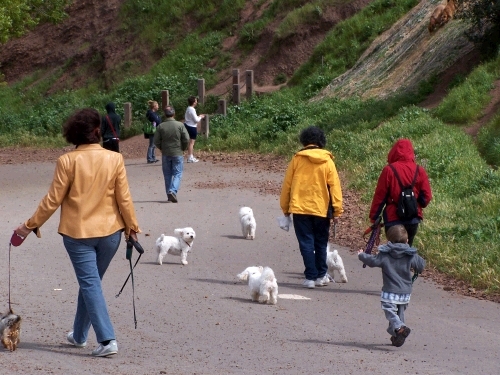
column 401, row 335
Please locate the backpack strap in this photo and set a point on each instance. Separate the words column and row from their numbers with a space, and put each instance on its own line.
column 111, row 126
column 399, row 181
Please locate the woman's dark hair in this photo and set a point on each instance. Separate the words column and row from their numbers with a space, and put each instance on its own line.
column 80, row 127
column 192, row 99
column 313, row 136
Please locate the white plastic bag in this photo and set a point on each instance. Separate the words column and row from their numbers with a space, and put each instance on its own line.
column 284, row 222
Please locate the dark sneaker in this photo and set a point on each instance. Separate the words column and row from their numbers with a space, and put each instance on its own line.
column 401, row 335
column 172, row 197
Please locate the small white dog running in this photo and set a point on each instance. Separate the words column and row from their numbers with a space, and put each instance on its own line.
column 179, row 245
column 335, row 263
column 262, row 283
column 248, row 224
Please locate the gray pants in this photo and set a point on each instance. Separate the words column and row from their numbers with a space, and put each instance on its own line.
column 395, row 314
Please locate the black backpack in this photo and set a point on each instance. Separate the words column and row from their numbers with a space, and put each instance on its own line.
column 407, row 202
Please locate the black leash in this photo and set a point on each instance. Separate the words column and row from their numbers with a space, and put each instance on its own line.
column 131, row 243
column 10, row 307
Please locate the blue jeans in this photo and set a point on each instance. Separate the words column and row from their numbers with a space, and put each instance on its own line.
column 395, row 314
column 90, row 258
column 312, row 233
column 151, row 149
column 172, row 167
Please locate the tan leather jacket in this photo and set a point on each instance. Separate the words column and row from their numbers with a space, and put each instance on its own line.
column 90, row 184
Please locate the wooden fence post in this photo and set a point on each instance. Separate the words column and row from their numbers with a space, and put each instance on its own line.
column 249, row 84
column 165, row 101
column 201, row 91
column 127, row 118
column 204, row 126
column 222, row 107
column 236, row 76
column 236, row 94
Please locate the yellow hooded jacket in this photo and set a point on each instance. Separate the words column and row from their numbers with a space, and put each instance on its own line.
column 90, row 184
column 305, row 187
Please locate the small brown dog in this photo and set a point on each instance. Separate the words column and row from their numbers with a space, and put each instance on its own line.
column 448, row 12
column 10, row 330
column 436, row 18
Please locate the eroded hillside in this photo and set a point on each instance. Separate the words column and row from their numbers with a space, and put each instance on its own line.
column 407, row 54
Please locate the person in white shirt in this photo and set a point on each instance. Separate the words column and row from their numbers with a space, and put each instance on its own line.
column 191, row 120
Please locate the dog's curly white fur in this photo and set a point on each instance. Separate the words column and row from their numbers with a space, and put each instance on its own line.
column 248, row 224
column 179, row 245
column 262, row 283
column 10, row 330
column 335, row 263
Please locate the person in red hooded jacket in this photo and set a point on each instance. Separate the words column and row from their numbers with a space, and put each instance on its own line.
column 401, row 157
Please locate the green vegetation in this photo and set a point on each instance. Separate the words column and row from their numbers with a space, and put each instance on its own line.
column 19, row 16
column 344, row 43
column 461, row 231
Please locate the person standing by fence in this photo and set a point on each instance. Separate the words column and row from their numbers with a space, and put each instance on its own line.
column 110, row 129
column 191, row 120
column 155, row 121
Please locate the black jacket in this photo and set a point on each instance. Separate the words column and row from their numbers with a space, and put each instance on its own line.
column 115, row 120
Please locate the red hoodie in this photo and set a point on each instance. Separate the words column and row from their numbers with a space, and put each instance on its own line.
column 402, row 158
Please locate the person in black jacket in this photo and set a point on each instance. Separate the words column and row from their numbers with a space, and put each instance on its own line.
column 155, row 119
column 110, row 129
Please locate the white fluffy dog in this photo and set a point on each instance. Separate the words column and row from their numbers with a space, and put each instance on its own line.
column 248, row 224
column 262, row 283
column 335, row 263
column 179, row 245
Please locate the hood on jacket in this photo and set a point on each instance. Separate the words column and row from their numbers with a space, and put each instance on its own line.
column 401, row 151
column 397, row 250
column 110, row 107
column 316, row 155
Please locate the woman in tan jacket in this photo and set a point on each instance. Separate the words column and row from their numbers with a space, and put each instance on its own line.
column 90, row 184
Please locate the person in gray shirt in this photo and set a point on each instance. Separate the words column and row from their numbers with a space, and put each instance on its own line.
column 397, row 259
column 172, row 139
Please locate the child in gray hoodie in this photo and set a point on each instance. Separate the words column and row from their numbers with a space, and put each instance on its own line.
column 396, row 258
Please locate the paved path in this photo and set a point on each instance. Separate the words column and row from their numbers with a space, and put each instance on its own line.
column 197, row 319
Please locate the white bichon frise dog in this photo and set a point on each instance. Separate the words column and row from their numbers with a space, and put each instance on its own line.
column 335, row 263
column 248, row 224
column 262, row 283
column 179, row 245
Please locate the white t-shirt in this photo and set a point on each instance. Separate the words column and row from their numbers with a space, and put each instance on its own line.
column 191, row 118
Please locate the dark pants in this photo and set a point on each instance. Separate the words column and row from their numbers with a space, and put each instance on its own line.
column 112, row 144
column 312, row 233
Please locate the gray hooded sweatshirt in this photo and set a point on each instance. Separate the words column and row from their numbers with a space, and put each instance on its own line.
column 396, row 261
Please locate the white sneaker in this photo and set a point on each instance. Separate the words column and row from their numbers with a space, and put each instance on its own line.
column 192, row 160
column 104, row 351
column 308, row 284
column 323, row 281
column 72, row 341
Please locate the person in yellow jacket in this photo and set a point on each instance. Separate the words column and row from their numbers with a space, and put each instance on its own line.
column 90, row 185
column 311, row 191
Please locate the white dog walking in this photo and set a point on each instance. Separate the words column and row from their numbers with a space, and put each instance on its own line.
column 248, row 224
column 262, row 283
column 335, row 263
column 179, row 245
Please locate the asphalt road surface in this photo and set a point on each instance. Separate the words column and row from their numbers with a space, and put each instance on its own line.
column 198, row 318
